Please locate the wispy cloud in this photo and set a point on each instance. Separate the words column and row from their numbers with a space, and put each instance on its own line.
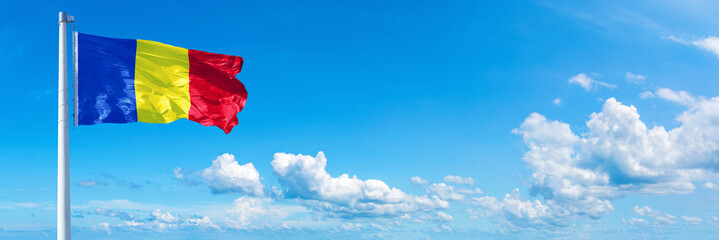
column 677, row 40
column 458, row 180
column 635, row 78
column 710, row 44
column 21, row 205
column 646, row 95
column 418, row 180
column 680, row 97
column 635, row 221
column 86, row 183
column 588, row 83
column 557, row 101
column 660, row 216
column 711, row 185
column 692, row 220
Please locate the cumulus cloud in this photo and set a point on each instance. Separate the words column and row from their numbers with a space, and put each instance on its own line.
column 305, row 178
column 557, row 101
column 619, row 152
column 579, row 175
column 710, row 44
column 588, row 83
column 635, row 78
column 458, row 180
column 227, row 176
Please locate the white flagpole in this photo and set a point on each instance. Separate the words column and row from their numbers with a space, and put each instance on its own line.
column 63, row 156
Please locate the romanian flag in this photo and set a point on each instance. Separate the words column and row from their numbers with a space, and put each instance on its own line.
column 128, row 80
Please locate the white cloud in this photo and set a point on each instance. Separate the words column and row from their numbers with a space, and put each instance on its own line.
column 633, row 157
column 692, row 220
column 635, row 78
column 617, row 155
column 103, row 226
column 167, row 217
column 444, row 217
column 459, row 180
column 179, row 174
column 646, row 94
column 418, row 180
column 677, row 40
column 190, row 178
column 680, row 97
column 114, row 213
column 438, row 217
column 588, row 83
column 714, row 221
column 350, row 226
column 18, row 205
column 256, row 213
column 557, row 101
column 515, row 211
column 227, row 176
column 448, row 192
column 158, row 220
column 710, row 44
column 203, row 223
column 660, row 216
column 446, row 228
column 245, row 209
column 635, row 221
column 306, row 179
column 711, row 185
column 133, row 223
column 91, row 183
column 117, row 204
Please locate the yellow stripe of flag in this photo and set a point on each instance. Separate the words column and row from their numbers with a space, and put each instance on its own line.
column 162, row 82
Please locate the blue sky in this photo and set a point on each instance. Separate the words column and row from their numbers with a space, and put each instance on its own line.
column 451, row 120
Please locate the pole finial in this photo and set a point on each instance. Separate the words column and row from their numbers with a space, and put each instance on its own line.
column 63, row 17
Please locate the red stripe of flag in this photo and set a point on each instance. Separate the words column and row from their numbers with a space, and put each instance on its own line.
column 216, row 96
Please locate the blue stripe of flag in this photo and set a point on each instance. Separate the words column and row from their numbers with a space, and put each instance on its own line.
column 106, row 80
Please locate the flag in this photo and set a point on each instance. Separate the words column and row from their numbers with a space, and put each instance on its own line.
column 128, row 80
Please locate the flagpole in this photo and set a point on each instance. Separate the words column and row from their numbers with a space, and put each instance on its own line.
column 63, row 166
